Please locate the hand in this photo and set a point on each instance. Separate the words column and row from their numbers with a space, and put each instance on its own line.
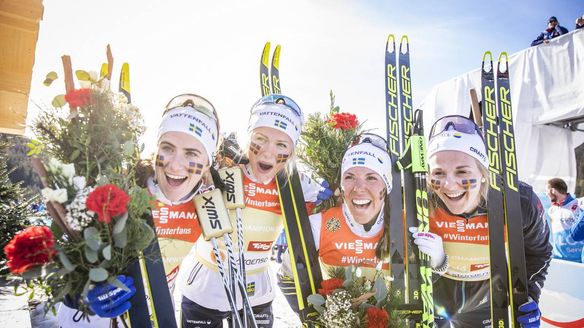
column 324, row 192
column 231, row 149
column 431, row 244
column 530, row 314
column 109, row 301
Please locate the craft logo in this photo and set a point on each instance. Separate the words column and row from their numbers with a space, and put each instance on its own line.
column 259, row 246
column 476, row 151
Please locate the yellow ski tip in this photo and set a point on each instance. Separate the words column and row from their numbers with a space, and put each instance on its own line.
column 266, row 54
column 503, row 54
column 276, row 57
column 404, row 37
column 488, row 54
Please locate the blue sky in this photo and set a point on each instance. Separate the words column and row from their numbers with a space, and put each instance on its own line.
column 213, row 48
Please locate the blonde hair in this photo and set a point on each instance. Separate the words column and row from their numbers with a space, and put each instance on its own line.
column 483, row 192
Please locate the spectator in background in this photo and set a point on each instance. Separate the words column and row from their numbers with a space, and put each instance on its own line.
column 281, row 245
column 579, row 22
column 564, row 214
column 553, row 30
column 577, row 232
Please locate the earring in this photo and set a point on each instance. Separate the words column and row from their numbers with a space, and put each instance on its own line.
column 483, row 180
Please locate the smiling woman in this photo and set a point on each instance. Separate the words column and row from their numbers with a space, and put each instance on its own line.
column 187, row 141
column 458, row 241
column 274, row 126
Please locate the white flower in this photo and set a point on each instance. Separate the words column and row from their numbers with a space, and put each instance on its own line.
column 93, row 75
column 68, row 172
column 59, row 195
column 54, row 165
column 78, row 217
column 85, row 84
column 79, row 183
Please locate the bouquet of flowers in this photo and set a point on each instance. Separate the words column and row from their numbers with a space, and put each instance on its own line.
column 349, row 300
column 323, row 142
column 86, row 155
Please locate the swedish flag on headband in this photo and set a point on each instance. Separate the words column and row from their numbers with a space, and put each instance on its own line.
column 359, row 161
column 280, row 124
column 196, row 129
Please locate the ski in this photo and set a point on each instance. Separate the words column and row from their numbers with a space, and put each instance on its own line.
column 406, row 145
column 304, row 260
column 517, row 271
column 148, row 272
column 420, row 170
column 496, row 215
column 397, row 227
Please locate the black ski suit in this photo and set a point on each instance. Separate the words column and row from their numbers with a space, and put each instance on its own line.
column 466, row 303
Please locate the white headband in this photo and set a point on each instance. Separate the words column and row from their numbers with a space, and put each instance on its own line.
column 369, row 156
column 194, row 123
column 470, row 144
column 278, row 117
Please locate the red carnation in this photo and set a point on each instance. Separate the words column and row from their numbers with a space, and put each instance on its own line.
column 343, row 121
column 107, row 201
column 31, row 247
column 79, row 97
column 329, row 286
column 377, row 318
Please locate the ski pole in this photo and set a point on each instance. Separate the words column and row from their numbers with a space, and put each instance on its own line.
column 233, row 198
column 214, row 221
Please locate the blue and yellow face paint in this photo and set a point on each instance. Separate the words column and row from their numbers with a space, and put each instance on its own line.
column 466, row 184
column 160, row 161
column 255, row 148
column 195, row 168
column 282, row 158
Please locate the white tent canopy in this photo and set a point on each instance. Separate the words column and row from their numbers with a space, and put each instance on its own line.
column 547, row 87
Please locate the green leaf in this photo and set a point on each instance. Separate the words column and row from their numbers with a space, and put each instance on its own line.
column 91, row 235
column 120, row 224
column 59, row 101
column 90, row 255
column 316, row 299
column 319, row 308
column 66, row 263
column 107, row 252
column 128, row 148
column 98, row 274
column 364, row 306
column 51, row 76
column 86, row 289
column 116, row 282
column 381, row 290
column 82, row 75
column 32, row 273
column 74, row 155
column 121, row 239
column 349, row 273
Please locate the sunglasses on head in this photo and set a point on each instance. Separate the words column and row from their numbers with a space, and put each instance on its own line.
column 457, row 123
column 280, row 100
column 371, row 138
column 196, row 102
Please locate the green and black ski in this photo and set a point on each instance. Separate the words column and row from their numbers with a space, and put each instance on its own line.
column 148, row 273
column 409, row 197
column 517, row 270
column 507, row 255
column 304, row 260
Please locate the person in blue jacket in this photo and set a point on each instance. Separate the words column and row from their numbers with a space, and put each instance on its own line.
column 553, row 30
column 577, row 232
